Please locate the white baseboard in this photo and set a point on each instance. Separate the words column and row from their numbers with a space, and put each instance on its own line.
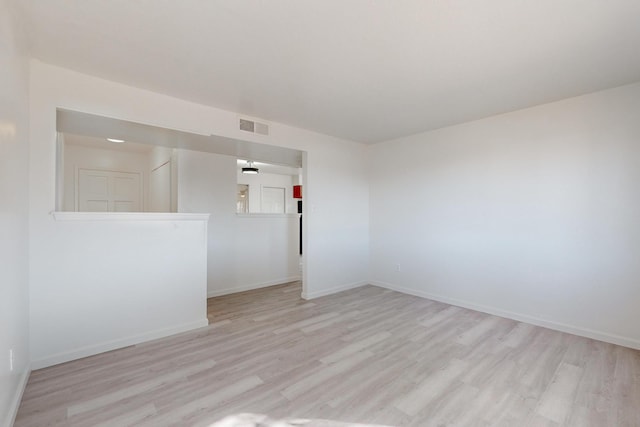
column 17, row 398
column 334, row 290
column 243, row 288
column 115, row 344
column 557, row 326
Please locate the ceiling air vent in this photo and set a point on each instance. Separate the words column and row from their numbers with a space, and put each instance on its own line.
column 254, row 127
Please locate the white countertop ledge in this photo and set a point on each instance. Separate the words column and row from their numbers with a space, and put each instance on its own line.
column 267, row 215
column 128, row 216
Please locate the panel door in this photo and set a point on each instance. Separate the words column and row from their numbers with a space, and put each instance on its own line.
column 273, row 200
column 108, row 191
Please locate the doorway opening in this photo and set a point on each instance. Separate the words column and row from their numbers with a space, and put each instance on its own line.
column 153, row 169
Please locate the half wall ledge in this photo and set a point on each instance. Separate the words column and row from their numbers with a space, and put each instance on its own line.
column 128, row 216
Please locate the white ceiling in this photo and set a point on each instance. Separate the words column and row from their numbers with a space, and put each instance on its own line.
column 366, row 70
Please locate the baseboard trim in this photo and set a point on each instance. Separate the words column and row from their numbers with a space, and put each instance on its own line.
column 334, row 290
column 15, row 403
column 244, row 288
column 115, row 344
column 549, row 324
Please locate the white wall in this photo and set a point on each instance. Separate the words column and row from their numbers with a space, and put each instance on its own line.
column 337, row 245
column 267, row 251
column 533, row 214
column 104, row 284
column 76, row 156
column 14, row 163
column 245, row 252
column 206, row 183
column 163, row 180
column 160, row 155
column 97, row 285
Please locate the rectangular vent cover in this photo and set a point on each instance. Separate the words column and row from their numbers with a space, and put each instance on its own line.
column 254, row 127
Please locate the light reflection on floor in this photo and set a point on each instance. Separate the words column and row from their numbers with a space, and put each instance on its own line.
column 257, row 420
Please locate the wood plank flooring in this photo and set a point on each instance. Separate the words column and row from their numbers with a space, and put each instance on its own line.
column 367, row 355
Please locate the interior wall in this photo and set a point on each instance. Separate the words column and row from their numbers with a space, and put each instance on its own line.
column 14, row 164
column 267, row 252
column 163, row 180
column 149, row 268
column 337, row 238
column 245, row 252
column 114, row 282
column 76, row 156
column 532, row 215
column 336, row 217
column 206, row 183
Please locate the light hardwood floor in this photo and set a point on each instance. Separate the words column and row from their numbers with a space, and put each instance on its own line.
column 365, row 355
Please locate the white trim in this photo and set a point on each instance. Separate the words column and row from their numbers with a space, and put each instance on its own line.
column 17, row 398
column 267, row 215
column 128, row 216
column 227, row 291
column 60, row 170
column 91, row 350
column 334, row 290
column 557, row 326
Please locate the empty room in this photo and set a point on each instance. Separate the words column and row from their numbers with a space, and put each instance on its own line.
column 319, row 213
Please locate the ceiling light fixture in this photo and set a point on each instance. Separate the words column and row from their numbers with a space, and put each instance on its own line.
column 115, row 141
column 250, row 169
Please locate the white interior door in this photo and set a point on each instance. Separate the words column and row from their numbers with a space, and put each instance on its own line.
column 273, row 200
column 108, row 191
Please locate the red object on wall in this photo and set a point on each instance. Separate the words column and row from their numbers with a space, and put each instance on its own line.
column 297, row 191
